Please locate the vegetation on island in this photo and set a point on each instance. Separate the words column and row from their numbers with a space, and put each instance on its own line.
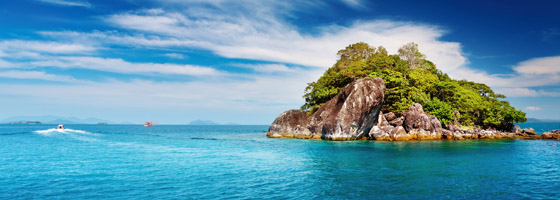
column 410, row 78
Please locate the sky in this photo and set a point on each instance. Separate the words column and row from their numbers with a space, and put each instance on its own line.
column 245, row 62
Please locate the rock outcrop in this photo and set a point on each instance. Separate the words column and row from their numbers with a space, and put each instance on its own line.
column 551, row 135
column 415, row 124
column 291, row 124
column 390, row 116
column 352, row 113
column 397, row 122
column 421, row 125
column 528, row 131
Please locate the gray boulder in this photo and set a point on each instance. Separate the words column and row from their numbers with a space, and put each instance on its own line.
column 397, row 122
column 390, row 116
column 421, row 125
column 551, row 135
column 352, row 113
column 291, row 124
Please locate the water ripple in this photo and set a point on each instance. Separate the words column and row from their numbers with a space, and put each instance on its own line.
column 177, row 162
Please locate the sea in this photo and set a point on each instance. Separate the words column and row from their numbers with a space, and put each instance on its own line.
column 240, row 162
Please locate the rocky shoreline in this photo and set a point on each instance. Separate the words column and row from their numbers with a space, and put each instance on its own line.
column 355, row 114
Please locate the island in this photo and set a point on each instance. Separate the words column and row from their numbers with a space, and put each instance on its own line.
column 371, row 95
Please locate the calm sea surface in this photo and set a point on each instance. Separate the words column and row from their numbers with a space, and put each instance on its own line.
column 239, row 162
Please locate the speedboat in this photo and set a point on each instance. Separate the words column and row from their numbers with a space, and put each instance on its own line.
column 60, row 127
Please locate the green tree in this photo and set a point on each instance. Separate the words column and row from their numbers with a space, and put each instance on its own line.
column 440, row 109
column 410, row 53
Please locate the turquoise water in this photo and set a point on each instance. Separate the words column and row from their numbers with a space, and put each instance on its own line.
column 541, row 127
column 239, row 162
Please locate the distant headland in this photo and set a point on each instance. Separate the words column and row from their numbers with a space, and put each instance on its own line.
column 369, row 94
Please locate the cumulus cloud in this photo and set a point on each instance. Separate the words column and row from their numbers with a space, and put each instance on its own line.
column 527, row 92
column 265, row 35
column 518, row 92
column 539, row 66
column 277, row 41
column 528, row 79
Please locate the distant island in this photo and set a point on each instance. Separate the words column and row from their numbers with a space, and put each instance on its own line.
column 207, row 122
column 202, row 122
column 26, row 122
column 51, row 119
column 541, row 120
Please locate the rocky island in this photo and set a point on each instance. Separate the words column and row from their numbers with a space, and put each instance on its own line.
column 355, row 111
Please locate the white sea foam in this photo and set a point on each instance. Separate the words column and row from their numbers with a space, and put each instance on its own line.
column 65, row 131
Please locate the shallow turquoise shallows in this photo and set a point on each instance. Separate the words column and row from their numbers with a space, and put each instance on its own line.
column 239, row 162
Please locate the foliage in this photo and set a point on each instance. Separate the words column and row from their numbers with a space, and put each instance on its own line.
column 410, row 53
column 410, row 78
column 440, row 109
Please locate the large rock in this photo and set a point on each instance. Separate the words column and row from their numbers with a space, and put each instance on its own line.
column 551, row 135
column 381, row 120
column 399, row 134
column 529, row 131
column 397, row 122
column 352, row 113
column 421, row 125
column 390, row 116
column 291, row 124
column 516, row 129
column 381, row 133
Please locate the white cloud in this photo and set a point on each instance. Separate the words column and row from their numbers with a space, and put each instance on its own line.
column 80, row 3
column 267, row 68
column 5, row 64
column 40, row 75
column 263, row 96
column 33, row 54
column 518, row 92
column 175, row 55
column 270, row 39
column 234, row 29
column 354, row 3
column 115, row 37
column 532, row 108
column 539, row 66
column 121, row 66
column 25, row 48
column 528, row 75
column 526, row 92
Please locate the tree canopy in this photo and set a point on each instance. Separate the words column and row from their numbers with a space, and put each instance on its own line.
column 410, row 78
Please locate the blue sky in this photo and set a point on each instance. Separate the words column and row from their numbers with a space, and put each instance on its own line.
column 245, row 62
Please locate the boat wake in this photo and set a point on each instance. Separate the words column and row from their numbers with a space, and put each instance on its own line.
column 66, row 130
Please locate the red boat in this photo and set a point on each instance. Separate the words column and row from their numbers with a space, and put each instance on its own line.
column 148, row 123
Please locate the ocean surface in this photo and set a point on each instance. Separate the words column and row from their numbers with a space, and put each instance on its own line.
column 239, row 162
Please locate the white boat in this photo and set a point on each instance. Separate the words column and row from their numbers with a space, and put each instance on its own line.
column 60, row 127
